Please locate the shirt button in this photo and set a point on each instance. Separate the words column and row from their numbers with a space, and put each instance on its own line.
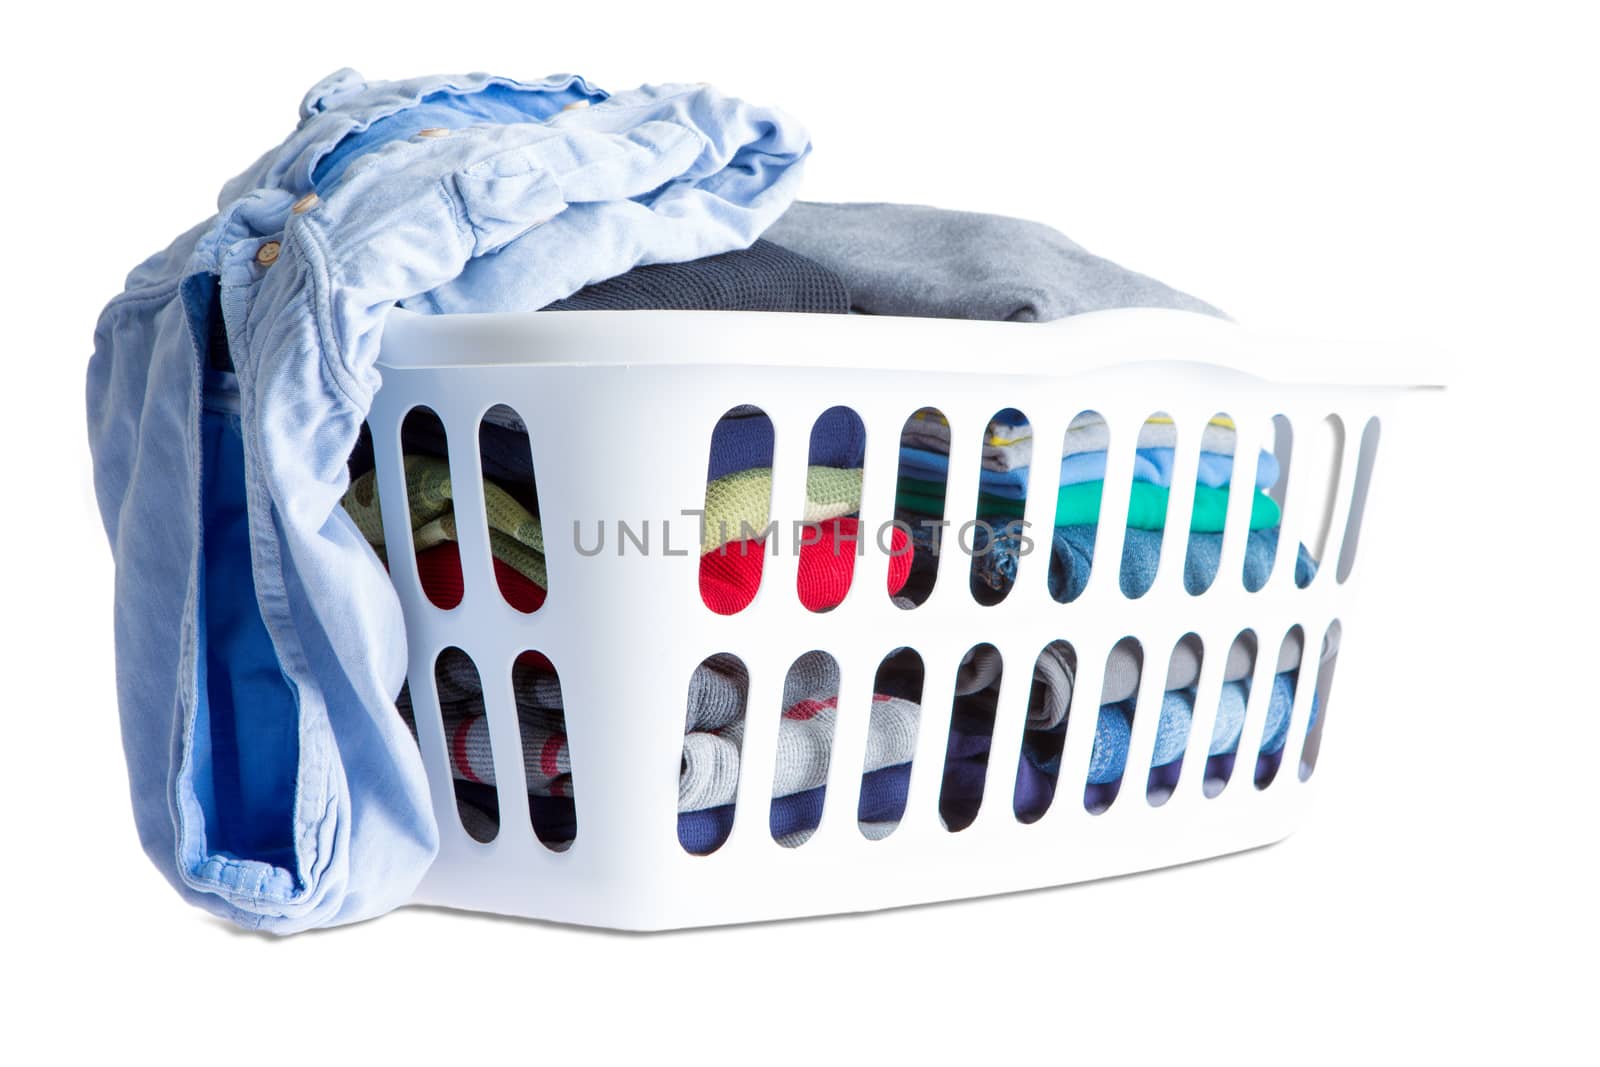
column 267, row 254
column 305, row 203
column 434, row 131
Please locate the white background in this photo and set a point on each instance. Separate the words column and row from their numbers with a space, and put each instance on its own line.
column 1390, row 171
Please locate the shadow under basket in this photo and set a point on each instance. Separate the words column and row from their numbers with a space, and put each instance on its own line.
column 620, row 409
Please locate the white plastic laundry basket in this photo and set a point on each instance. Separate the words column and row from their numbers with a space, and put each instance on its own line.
column 620, row 408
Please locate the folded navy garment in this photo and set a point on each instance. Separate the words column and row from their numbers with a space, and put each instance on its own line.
column 1164, row 779
column 554, row 819
column 883, row 799
column 743, row 440
column 966, row 754
column 900, row 675
column 763, row 277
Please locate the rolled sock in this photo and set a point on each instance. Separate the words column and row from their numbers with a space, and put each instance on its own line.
column 1051, row 693
column 1279, row 708
column 805, row 745
column 1177, row 711
column 545, row 755
column 1183, row 669
column 805, row 728
column 1229, row 717
column 710, row 773
column 979, row 669
column 1113, row 729
column 892, row 734
column 718, row 691
column 546, row 758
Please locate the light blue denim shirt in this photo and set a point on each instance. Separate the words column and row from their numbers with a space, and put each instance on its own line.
column 260, row 645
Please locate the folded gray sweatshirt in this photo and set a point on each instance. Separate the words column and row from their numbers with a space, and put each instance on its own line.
column 904, row 259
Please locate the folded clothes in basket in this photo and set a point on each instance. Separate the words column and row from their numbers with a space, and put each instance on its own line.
column 718, row 705
column 1080, row 503
column 1150, row 465
column 1008, row 451
column 973, row 716
column 713, row 741
column 272, row 782
column 1072, row 557
column 999, row 542
column 1039, row 768
column 997, row 553
column 736, row 503
column 709, row 775
column 740, row 503
column 515, row 536
column 710, row 771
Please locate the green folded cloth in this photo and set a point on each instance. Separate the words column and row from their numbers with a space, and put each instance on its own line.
column 1079, row 505
column 515, row 536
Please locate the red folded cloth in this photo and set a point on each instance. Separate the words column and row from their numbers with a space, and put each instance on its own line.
column 439, row 568
column 730, row 575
